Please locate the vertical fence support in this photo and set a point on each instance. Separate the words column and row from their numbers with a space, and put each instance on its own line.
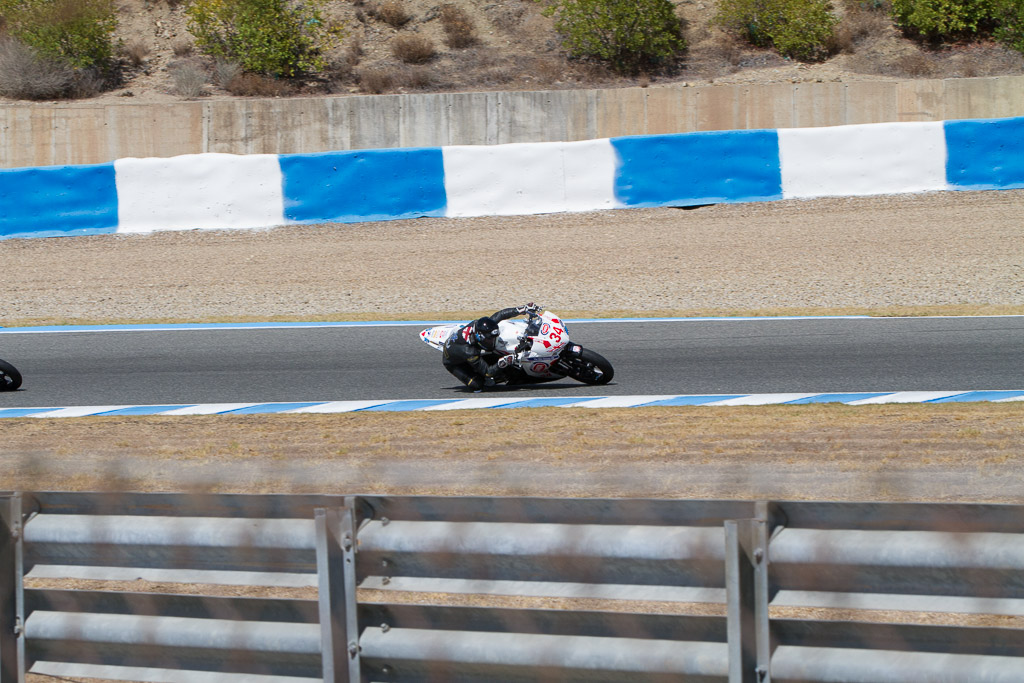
column 12, row 596
column 335, row 566
column 746, row 583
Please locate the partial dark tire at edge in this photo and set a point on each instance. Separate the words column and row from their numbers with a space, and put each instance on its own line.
column 10, row 378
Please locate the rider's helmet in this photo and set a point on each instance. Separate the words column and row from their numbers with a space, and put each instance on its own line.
column 485, row 332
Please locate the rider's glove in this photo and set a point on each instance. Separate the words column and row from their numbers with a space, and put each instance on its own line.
column 528, row 308
column 507, row 361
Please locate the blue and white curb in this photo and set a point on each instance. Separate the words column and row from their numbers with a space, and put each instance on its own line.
column 428, row 405
column 225, row 191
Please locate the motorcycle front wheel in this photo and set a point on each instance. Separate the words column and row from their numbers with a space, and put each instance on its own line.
column 10, row 378
column 591, row 368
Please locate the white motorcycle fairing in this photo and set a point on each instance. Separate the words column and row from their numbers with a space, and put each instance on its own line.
column 546, row 335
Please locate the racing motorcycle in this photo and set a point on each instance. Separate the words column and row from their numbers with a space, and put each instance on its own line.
column 542, row 348
column 10, row 378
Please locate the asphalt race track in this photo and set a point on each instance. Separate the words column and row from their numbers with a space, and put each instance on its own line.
column 338, row 363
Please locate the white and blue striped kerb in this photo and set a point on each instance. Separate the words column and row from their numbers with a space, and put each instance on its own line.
column 494, row 402
column 226, row 191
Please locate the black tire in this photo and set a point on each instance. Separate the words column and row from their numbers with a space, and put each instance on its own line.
column 10, row 378
column 591, row 368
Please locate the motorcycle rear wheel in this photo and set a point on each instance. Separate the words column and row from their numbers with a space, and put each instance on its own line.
column 591, row 368
column 10, row 378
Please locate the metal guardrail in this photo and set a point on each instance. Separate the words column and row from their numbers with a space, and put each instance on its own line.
column 753, row 553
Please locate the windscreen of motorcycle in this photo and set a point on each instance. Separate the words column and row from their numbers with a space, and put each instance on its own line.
column 509, row 334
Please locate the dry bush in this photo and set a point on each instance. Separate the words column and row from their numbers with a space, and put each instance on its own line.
column 857, row 25
column 592, row 72
column 24, row 75
column 189, row 79
column 720, row 54
column 972, row 68
column 499, row 75
column 981, row 60
column 916, row 65
column 548, row 69
column 354, row 51
column 726, row 49
column 136, row 52
column 392, row 13
column 183, row 48
column 225, row 71
column 91, row 82
column 843, row 41
column 413, row 49
column 483, row 57
column 508, row 19
column 377, row 80
column 459, row 30
column 337, row 73
column 255, row 85
column 418, row 78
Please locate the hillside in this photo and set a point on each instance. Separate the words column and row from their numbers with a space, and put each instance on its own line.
column 518, row 49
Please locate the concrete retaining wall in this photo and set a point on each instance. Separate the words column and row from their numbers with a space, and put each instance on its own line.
column 226, row 191
column 87, row 133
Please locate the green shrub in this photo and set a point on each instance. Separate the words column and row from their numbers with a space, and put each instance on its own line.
column 801, row 29
column 1009, row 16
column 943, row 20
column 78, row 33
column 630, row 35
column 273, row 37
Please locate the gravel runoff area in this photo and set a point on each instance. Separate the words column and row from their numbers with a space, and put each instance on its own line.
column 955, row 252
column 949, row 252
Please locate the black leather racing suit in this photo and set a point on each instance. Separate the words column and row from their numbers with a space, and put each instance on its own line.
column 471, row 363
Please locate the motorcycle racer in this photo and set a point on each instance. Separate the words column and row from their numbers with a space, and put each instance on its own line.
column 470, row 352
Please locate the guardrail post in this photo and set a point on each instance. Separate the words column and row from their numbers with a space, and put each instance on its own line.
column 336, row 573
column 746, row 584
column 12, row 596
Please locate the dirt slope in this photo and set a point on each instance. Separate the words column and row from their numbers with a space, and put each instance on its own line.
column 518, row 49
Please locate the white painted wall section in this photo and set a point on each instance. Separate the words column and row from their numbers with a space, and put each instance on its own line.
column 530, row 178
column 199, row 191
column 879, row 158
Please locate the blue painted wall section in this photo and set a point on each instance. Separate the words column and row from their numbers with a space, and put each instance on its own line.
column 57, row 201
column 365, row 185
column 985, row 154
column 698, row 168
